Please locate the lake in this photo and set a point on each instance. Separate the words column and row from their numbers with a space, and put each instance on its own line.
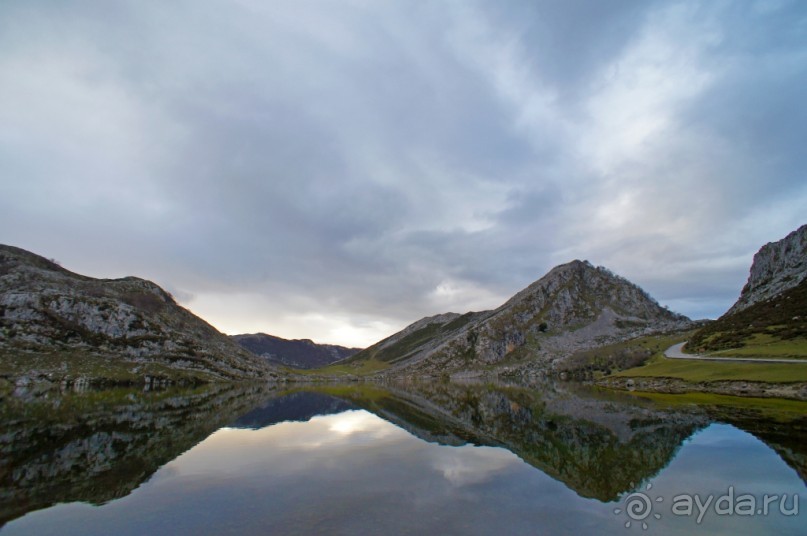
column 415, row 458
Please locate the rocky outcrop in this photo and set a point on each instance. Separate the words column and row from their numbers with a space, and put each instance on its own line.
column 773, row 303
column 777, row 267
column 575, row 306
column 298, row 353
column 65, row 326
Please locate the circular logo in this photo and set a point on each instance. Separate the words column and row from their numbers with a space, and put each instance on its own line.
column 638, row 507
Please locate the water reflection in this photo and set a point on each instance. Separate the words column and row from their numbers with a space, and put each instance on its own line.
column 99, row 446
column 599, row 447
column 296, row 406
column 426, row 458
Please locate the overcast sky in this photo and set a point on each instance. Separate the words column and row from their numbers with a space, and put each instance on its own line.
column 336, row 170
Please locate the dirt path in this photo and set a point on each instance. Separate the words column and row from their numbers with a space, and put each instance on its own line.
column 674, row 352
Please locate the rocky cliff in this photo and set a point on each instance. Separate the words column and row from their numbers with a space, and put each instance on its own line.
column 777, row 267
column 66, row 327
column 771, row 313
column 575, row 306
column 297, row 353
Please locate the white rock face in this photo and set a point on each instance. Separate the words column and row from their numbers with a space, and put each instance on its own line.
column 778, row 266
column 45, row 309
column 112, row 319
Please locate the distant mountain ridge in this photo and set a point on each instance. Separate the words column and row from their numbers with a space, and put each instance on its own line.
column 297, row 353
column 300, row 406
column 62, row 326
column 573, row 307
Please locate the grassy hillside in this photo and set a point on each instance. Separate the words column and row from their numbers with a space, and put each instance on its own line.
column 708, row 371
column 624, row 355
column 392, row 350
column 655, row 365
column 776, row 328
column 574, row 306
column 352, row 368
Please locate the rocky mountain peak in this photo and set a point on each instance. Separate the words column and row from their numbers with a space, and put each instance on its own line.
column 777, row 267
column 578, row 290
column 575, row 306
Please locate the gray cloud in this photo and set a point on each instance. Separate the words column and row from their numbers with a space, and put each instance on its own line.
column 337, row 170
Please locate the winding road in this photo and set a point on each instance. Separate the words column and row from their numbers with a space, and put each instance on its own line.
column 674, row 352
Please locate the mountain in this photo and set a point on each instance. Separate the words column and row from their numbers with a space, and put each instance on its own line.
column 771, row 314
column 574, row 307
column 59, row 326
column 777, row 267
column 298, row 353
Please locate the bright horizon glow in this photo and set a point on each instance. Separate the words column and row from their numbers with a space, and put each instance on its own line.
column 336, row 172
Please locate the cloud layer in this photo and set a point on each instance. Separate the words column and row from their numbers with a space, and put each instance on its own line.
column 338, row 170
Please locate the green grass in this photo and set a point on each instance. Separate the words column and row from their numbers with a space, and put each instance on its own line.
column 391, row 353
column 783, row 317
column 459, row 322
column 76, row 363
column 764, row 345
column 707, row 371
column 408, row 344
column 659, row 366
column 399, row 349
column 361, row 368
column 622, row 355
column 655, row 343
column 782, row 409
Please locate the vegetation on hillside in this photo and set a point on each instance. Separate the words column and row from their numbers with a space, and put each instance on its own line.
column 588, row 364
column 343, row 368
column 782, row 318
column 709, row 371
column 391, row 352
column 573, row 307
column 59, row 326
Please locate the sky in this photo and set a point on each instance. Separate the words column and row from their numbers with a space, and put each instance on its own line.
column 336, row 170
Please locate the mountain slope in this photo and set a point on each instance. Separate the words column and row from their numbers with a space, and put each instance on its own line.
column 64, row 326
column 297, row 353
column 575, row 306
column 416, row 338
column 777, row 267
column 770, row 317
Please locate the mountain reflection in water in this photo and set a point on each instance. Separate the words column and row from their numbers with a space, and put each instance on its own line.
column 367, row 458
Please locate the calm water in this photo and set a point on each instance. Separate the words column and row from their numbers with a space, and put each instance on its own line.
column 415, row 459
